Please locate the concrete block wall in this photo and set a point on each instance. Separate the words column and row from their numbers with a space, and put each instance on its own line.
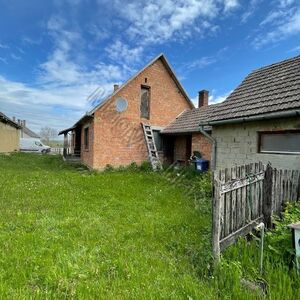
column 237, row 144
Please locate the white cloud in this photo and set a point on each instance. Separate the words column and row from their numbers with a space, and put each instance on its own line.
column 158, row 21
column 118, row 51
column 3, row 46
column 15, row 57
column 200, row 63
column 280, row 23
column 47, row 104
column 64, row 80
column 214, row 99
column 295, row 49
column 285, row 3
column 282, row 28
column 250, row 10
column 3, row 60
column 230, row 5
column 59, row 95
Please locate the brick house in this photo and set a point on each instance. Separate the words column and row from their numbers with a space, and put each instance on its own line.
column 260, row 119
column 112, row 134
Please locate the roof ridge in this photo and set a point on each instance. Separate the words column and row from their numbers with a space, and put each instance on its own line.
column 282, row 62
column 151, row 62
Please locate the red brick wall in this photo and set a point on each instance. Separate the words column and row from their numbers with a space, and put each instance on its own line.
column 118, row 137
column 202, row 144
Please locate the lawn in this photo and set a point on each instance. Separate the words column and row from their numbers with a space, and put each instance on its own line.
column 69, row 233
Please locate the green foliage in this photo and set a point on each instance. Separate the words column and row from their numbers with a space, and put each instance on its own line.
column 146, row 166
column 279, row 239
column 133, row 167
column 242, row 261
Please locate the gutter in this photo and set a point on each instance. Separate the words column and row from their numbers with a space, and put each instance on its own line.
column 294, row 113
column 214, row 148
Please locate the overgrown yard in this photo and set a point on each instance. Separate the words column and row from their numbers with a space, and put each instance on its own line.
column 66, row 232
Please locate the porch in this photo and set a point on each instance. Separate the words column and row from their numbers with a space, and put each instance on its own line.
column 176, row 149
column 72, row 143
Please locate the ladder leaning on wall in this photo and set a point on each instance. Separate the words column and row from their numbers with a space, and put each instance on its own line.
column 151, row 147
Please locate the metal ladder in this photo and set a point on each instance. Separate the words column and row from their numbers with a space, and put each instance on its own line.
column 152, row 151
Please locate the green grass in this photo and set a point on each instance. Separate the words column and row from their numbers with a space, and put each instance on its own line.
column 70, row 233
column 67, row 233
column 279, row 274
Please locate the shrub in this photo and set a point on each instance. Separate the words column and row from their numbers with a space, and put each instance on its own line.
column 133, row 167
column 109, row 168
column 146, row 166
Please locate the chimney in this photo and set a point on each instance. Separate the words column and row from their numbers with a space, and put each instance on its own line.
column 116, row 87
column 203, row 98
column 24, row 123
column 14, row 119
column 19, row 122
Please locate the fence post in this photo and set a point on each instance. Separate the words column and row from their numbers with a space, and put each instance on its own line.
column 216, row 226
column 267, row 196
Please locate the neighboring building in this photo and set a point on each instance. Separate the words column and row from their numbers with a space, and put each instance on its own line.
column 260, row 119
column 112, row 133
column 9, row 134
column 25, row 131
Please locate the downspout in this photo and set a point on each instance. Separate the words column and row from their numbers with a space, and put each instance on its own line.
column 214, row 147
column 213, row 168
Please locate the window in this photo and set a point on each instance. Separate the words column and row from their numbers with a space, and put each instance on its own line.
column 86, row 138
column 121, row 104
column 285, row 142
column 145, row 102
column 38, row 144
column 158, row 140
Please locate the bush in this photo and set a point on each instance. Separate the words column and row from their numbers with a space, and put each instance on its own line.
column 279, row 240
column 109, row 168
column 133, row 167
column 146, row 166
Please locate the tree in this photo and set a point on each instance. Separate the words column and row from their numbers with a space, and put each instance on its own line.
column 47, row 134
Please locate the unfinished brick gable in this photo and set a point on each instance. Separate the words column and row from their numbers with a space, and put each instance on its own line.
column 118, row 137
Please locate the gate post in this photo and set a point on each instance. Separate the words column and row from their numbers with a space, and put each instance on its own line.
column 216, row 225
column 267, row 196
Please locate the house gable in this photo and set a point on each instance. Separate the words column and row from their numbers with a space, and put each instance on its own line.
column 169, row 69
column 118, row 136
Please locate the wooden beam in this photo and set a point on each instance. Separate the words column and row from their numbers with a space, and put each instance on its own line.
column 237, row 184
column 230, row 239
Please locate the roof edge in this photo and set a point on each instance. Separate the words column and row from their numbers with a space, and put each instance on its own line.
column 266, row 116
column 169, row 68
column 8, row 120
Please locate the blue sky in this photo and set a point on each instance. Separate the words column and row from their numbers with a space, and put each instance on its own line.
column 54, row 54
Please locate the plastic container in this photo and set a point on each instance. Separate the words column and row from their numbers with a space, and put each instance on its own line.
column 201, row 165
